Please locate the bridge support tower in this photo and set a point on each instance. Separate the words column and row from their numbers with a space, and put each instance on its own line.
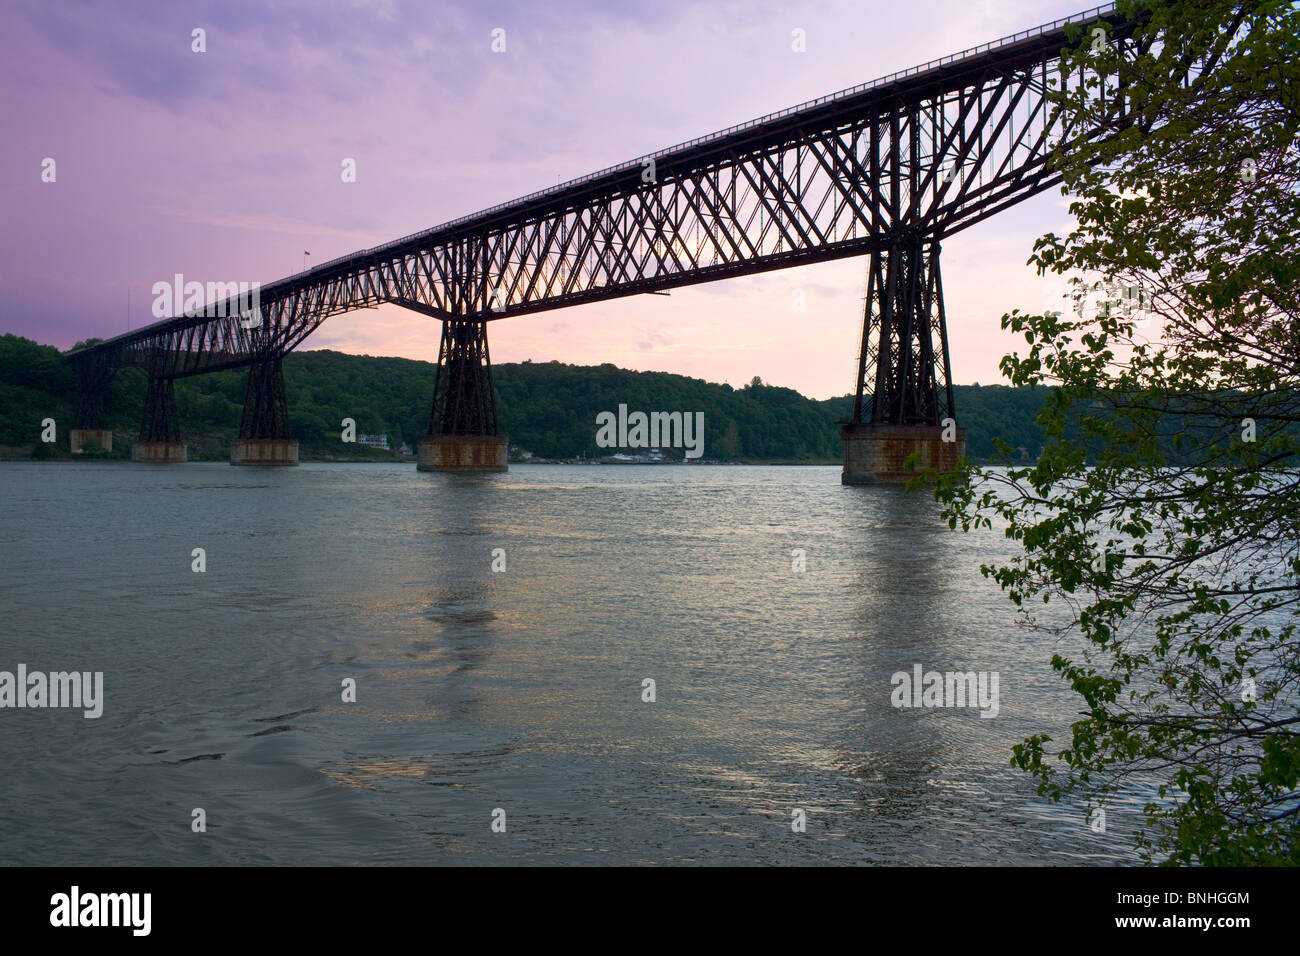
column 93, row 377
column 159, row 441
column 264, row 437
column 463, row 432
column 904, row 401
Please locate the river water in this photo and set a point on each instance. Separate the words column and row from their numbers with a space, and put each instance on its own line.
column 514, row 695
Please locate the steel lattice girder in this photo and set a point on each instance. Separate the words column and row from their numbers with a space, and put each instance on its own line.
column 936, row 150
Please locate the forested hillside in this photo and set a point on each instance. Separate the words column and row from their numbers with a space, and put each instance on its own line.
column 548, row 409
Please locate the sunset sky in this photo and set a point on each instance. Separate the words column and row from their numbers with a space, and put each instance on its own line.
column 225, row 165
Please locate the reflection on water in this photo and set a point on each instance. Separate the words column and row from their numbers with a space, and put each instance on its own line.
column 519, row 689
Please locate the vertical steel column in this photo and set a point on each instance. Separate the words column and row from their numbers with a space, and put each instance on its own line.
column 907, row 380
column 464, row 400
column 160, row 421
column 266, row 406
column 93, row 375
column 939, row 317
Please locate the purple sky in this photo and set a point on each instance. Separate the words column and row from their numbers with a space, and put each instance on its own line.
column 225, row 165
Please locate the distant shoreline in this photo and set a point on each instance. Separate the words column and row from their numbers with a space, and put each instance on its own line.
column 69, row 459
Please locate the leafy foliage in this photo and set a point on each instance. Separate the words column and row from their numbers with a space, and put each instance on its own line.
column 35, row 383
column 1169, row 537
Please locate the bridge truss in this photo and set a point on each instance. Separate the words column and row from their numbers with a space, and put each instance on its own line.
column 888, row 169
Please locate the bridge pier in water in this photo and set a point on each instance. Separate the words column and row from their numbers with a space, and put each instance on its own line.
column 904, row 401
column 463, row 432
column 92, row 387
column 264, row 437
column 159, row 441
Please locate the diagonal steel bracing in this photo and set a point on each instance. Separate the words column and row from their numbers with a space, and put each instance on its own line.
column 266, row 407
column 159, row 421
column 904, row 372
column 464, row 402
column 936, row 148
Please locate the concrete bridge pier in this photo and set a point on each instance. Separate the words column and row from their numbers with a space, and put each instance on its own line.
column 876, row 454
column 904, row 401
column 82, row 439
column 264, row 437
column 463, row 432
column 159, row 441
column 462, row 453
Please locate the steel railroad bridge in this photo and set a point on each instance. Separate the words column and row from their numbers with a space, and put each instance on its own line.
column 886, row 170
